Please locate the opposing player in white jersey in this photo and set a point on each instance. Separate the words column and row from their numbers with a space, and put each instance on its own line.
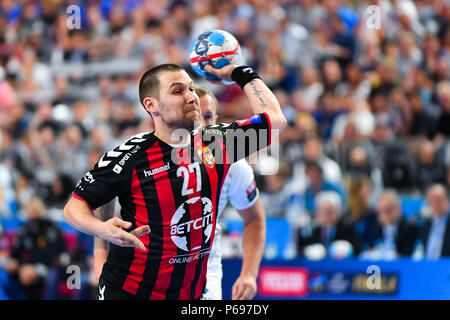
column 240, row 189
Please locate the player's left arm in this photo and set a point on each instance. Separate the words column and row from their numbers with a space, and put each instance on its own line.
column 253, row 241
column 101, row 247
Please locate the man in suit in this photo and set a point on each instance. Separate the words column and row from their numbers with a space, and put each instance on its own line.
column 330, row 225
column 435, row 232
column 392, row 233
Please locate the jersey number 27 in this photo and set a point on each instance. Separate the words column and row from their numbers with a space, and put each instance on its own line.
column 185, row 172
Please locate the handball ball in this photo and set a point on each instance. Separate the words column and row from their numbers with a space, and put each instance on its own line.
column 217, row 48
column 340, row 249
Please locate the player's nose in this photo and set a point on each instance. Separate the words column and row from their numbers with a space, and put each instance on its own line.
column 192, row 98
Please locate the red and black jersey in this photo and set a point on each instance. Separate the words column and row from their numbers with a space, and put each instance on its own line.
column 176, row 191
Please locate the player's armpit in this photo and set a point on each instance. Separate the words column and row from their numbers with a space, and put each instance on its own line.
column 106, row 211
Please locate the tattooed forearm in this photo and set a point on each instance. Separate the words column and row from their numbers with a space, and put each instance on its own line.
column 257, row 93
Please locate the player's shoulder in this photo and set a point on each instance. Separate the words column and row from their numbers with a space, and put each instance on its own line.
column 121, row 155
column 240, row 166
column 215, row 129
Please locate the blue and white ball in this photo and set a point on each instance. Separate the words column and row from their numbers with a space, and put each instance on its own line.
column 217, row 48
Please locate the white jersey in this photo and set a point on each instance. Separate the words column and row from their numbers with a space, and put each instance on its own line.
column 240, row 189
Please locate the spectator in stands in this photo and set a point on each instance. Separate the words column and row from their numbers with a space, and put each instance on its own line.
column 9, row 288
column 7, row 196
column 61, row 190
column 435, row 232
column 72, row 152
column 310, row 91
column 429, row 169
column 360, row 209
column 332, row 76
column 393, row 158
column 409, row 55
column 313, row 152
column 330, row 225
column 7, row 98
column 443, row 92
column 392, row 236
column 420, row 122
column 316, row 184
column 277, row 194
column 39, row 246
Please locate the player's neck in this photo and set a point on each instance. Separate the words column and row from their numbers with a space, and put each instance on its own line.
column 173, row 136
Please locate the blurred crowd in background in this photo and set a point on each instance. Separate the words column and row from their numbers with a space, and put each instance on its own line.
column 365, row 157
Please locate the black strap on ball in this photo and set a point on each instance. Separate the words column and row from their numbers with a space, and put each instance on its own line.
column 243, row 75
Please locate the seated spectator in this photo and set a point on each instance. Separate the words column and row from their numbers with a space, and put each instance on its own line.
column 420, row 122
column 429, row 168
column 313, row 151
column 359, row 164
column 310, row 92
column 9, row 288
column 435, row 232
column 39, row 246
column 443, row 97
column 317, row 183
column 293, row 137
column 393, row 158
column 360, row 211
column 330, row 225
column 60, row 192
column 275, row 195
column 392, row 235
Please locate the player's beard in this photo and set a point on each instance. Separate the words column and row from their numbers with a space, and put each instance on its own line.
column 183, row 123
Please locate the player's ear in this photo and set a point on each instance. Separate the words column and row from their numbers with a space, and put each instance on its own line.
column 151, row 104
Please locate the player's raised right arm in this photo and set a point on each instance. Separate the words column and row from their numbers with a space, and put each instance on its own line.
column 260, row 96
column 78, row 214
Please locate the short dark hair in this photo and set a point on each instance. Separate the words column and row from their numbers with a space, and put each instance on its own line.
column 149, row 83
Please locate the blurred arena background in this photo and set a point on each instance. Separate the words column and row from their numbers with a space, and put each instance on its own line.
column 365, row 86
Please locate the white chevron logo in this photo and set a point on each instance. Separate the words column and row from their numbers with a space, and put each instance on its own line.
column 125, row 147
column 121, row 149
column 114, row 154
column 102, row 163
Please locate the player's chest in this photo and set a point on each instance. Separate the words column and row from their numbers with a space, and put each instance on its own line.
column 167, row 177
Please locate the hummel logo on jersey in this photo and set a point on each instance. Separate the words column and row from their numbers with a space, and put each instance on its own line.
column 148, row 173
column 101, row 291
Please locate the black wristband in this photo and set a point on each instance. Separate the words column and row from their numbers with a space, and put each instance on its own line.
column 243, row 75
